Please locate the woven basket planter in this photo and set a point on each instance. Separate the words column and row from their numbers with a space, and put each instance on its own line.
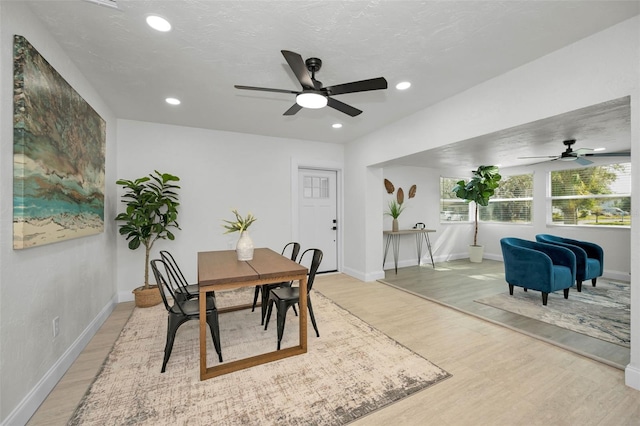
column 147, row 297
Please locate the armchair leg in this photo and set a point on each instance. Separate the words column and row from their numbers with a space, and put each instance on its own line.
column 544, row 298
column 593, row 281
column 579, row 285
column 511, row 289
column 566, row 293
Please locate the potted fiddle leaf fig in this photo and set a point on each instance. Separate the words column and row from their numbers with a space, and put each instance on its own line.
column 151, row 213
column 478, row 190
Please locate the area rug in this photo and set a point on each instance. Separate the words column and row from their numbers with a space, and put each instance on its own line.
column 351, row 370
column 603, row 312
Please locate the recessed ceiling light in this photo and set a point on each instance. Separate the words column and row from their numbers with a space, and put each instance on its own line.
column 172, row 101
column 403, row 85
column 336, row 125
column 599, row 149
column 158, row 23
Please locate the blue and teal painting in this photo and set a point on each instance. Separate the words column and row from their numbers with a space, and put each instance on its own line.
column 59, row 155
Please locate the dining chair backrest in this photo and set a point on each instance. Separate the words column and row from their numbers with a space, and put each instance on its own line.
column 176, row 272
column 316, row 259
column 166, row 285
column 295, row 249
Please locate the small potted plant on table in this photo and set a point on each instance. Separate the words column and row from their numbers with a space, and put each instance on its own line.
column 244, row 247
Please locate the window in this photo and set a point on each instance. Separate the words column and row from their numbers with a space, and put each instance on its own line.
column 511, row 203
column 452, row 208
column 593, row 196
column 316, row 187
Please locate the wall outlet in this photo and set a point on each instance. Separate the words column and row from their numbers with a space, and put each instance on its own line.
column 56, row 326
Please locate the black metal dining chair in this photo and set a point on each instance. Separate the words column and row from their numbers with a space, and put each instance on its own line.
column 182, row 310
column 286, row 297
column 183, row 288
column 266, row 288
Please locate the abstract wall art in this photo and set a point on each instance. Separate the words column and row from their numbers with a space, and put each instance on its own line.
column 58, row 155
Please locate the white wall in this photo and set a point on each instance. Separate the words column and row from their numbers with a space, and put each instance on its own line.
column 602, row 67
column 73, row 280
column 218, row 171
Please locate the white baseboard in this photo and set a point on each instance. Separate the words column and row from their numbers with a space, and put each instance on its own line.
column 632, row 377
column 617, row 275
column 374, row 276
column 30, row 403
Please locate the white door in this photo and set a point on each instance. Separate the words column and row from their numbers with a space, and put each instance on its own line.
column 317, row 215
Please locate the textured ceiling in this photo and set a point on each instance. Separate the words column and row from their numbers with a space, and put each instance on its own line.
column 442, row 47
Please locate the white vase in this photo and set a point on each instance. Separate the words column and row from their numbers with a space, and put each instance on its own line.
column 244, row 248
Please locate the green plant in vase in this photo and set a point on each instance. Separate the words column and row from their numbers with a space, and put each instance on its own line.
column 396, row 206
column 244, row 247
column 240, row 224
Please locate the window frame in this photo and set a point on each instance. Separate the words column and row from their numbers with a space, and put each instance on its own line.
column 551, row 207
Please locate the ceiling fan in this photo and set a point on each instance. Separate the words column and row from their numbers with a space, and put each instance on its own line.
column 579, row 154
column 313, row 95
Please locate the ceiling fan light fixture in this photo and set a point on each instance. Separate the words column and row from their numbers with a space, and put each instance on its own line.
column 311, row 100
column 568, row 158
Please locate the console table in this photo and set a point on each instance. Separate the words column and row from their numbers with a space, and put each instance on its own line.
column 422, row 235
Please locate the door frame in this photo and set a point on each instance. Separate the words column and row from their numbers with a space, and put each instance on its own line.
column 329, row 166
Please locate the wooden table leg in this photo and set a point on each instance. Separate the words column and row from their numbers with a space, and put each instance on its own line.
column 203, row 334
column 303, row 313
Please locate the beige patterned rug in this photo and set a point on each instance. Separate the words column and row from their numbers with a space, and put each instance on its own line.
column 351, row 370
column 603, row 312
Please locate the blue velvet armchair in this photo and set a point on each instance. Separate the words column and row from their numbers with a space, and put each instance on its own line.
column 538, row 266
column 589, row 257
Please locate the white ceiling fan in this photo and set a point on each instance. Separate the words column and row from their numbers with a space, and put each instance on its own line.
column 579, row 154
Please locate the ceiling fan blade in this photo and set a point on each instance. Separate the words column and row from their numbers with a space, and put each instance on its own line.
column 357, row 86
column 265, row 89
column 342, row 107
column 583, row 161
column 293, row 110
column 298, row 67
column 539, row 156
column 540, row 162
column 609, row 154
column 582, row 151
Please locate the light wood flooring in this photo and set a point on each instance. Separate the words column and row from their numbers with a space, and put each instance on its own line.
column 458, row 283
column 500, row 376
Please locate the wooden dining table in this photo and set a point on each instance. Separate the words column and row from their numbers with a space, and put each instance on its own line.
column 221, row 270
